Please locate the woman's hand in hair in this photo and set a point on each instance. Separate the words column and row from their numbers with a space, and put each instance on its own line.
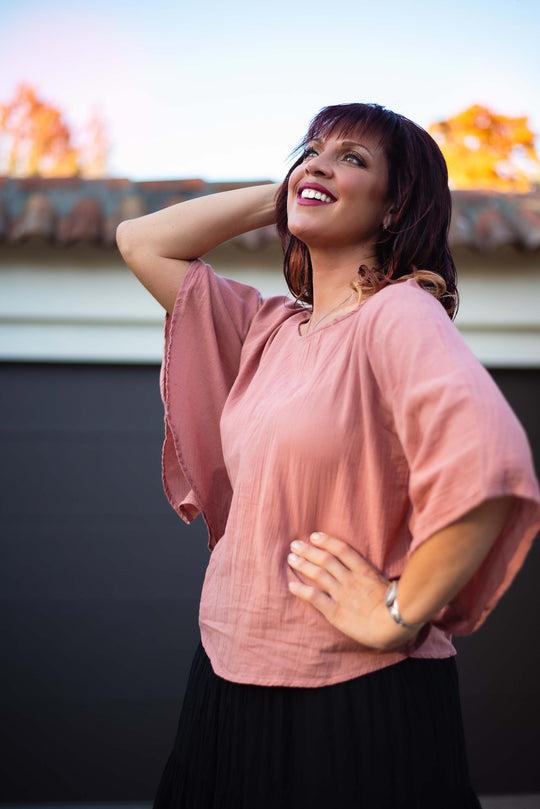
column 159, row 247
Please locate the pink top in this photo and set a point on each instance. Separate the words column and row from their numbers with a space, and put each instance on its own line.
column 380, row 428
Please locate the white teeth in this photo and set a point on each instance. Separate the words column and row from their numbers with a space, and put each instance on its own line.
column 310, row 193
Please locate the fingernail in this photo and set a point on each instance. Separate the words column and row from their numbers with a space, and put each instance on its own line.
column 297, row 545
column 292, row 557
column 317, row 536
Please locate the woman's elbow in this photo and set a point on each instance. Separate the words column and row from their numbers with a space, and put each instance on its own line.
column 125, row 238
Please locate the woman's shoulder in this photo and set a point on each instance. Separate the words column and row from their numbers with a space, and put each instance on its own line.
column 404, row 321
column 205, row 275
column 401, row 294
column 404, row 309
column 279, row 306
column 272, row 315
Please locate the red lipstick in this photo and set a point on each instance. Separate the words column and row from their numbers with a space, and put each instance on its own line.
column 316, row 188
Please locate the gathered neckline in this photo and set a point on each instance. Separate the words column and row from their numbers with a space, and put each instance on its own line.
column 328, row 325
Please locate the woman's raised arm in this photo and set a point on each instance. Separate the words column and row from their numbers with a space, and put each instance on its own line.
column 158, row 247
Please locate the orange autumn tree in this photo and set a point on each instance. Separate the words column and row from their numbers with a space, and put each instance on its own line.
column 94, row 148
column 35, row 140
column 486, row 150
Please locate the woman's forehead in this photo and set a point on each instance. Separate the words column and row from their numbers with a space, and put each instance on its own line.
column 346, row 130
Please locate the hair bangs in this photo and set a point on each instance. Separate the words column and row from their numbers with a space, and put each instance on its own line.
column 344, row 120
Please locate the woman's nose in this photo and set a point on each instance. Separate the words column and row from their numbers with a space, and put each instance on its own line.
column 318, row 164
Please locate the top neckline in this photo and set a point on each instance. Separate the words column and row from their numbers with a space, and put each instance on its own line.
column 335, row 322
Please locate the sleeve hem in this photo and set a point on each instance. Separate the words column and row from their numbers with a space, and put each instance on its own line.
column 472, row 605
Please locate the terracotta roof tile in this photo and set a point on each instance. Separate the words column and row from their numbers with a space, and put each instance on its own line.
column 460, row 227
column 69, row 210
column 4, row 219
column 490, row 230
column 82, row 224
column 527, row 225
column 189, row 187
column 128, row 208
column 38, row 219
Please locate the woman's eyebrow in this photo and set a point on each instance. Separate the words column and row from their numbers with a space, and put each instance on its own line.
column 345, row 143
column 348, row 143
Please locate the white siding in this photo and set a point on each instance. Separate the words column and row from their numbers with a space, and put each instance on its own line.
column 82, row 304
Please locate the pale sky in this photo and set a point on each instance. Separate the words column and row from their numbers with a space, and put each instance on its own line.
column 223, row 89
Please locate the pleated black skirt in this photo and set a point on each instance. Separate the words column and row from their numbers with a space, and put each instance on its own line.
column 392, row 739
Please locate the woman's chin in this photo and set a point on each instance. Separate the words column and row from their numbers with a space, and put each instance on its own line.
column 307, row 232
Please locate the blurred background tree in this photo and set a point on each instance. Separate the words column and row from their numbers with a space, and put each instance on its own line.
column 35, row 140
column 94, row 148
column 484, row 149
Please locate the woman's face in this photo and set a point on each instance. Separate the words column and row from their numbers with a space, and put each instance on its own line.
column 337, row 197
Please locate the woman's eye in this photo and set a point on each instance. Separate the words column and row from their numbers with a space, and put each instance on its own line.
column 310, row 152
column 351, row 157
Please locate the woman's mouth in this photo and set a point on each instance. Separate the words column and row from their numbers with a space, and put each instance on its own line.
column 309, row 193
column 314, row 194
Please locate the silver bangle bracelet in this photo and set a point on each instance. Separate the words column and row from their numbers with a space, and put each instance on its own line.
column 390, row 600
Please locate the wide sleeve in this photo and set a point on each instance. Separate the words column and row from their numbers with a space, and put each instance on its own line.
column 203, row 342
column 462, row 443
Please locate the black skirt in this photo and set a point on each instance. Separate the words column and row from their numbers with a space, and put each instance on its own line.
column 392, row 739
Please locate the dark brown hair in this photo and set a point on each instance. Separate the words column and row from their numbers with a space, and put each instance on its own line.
column 415, row 243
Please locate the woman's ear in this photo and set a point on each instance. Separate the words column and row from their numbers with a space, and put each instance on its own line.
column 388, row 217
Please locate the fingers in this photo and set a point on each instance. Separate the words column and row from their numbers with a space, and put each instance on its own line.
column 320, row 557
column 320, row 576
column 346, row 554
column 312, row 595
column 331, row 563
column 328, row 562
column 342, row 585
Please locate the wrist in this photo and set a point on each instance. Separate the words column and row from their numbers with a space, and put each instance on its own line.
column 391, row 602
column 389, row 633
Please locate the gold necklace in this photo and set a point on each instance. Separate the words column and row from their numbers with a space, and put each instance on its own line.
column 311, row 329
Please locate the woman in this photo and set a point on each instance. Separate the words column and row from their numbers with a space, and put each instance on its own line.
column 366, row 488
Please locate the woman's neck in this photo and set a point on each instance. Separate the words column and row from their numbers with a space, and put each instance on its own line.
column 333, row 275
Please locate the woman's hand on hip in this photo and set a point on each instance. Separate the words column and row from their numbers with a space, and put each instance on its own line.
column 342, row 585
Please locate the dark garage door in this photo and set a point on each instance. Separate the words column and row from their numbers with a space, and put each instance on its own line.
column 99, row 589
